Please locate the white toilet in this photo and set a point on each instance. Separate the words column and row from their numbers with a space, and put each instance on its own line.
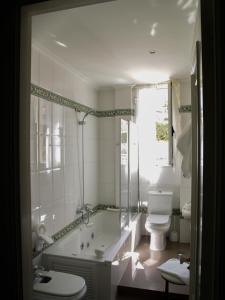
column 52, row 285
column 159, row 219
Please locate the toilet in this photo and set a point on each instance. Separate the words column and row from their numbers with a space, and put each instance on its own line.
column 52, row 285
column 159, row 218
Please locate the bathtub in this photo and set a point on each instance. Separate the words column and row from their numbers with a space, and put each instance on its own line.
column 97, row 251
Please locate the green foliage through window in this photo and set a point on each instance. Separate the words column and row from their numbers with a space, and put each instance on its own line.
column 162, row 131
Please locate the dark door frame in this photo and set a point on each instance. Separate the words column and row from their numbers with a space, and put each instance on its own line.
column 214, row 150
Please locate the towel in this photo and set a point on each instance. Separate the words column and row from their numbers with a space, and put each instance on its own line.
column 184, row 145
column 174, row 268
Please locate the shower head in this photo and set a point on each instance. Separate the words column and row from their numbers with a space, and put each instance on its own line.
column 86, row 114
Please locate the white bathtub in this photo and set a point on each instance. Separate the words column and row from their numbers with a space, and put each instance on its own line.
column 75, row 253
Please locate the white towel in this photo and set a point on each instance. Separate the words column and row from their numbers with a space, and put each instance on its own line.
column 174, row 268
column 184, row 145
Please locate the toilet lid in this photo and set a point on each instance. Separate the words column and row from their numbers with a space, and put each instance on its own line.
column 158, row 219
column 61, row 284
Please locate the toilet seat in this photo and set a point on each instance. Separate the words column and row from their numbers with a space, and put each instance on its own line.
column 61, row 286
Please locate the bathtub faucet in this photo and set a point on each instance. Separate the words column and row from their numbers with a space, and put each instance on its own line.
column 85, row 209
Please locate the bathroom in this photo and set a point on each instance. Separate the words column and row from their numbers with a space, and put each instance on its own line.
column 88, row 151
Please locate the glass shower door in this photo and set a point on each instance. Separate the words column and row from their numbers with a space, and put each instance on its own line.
column 133, row 168
column 124, row 173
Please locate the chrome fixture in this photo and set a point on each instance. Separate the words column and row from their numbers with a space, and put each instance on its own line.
column 85, row 212
column 84, row 208
column 87, row 113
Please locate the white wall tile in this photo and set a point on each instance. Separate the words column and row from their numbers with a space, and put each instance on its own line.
column 33, row 115
column 57, row 155
column 59, row 168
column 45, row 117
column 71, row 154
column 58, row 217
column 70, row 209
column 45, row 152
column 57, row 119
column 35, row 66
column 46, row 72
column 46, row 188
column 33, row 153
column 58, row 185
column 70, row 122
column 35, row 196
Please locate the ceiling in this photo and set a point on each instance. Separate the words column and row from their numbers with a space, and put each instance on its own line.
column 109, row 43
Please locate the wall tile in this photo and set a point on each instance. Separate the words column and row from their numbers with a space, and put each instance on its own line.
column 46, row 188
column 71, row 154
column 45, row 117
column 35, row 195
column 33, row 115
column 46, row 72
column 35, row 66
column 45, row 152
column 58, row 217
column 58, row 186
column 57, row 119
column 33, row 153
column 70, row 122
column 56, row 146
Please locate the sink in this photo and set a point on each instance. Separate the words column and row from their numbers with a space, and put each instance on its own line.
column 186, row 211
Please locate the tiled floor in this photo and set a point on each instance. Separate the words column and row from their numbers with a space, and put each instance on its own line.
column 145, row 275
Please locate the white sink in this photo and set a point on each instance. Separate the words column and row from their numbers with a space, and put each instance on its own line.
column 186, row 211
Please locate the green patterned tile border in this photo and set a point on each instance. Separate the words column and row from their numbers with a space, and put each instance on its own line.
column 115, row 113
column 73, row 225
column 185, row 109
column 50, row 96
column 60, row 234
column 58, row 99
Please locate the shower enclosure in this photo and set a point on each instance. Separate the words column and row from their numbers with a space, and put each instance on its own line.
column 129, row 185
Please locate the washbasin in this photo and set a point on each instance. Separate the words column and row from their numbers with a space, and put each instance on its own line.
column 186, row 211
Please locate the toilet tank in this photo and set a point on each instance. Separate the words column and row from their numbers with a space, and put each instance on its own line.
column 160, row 202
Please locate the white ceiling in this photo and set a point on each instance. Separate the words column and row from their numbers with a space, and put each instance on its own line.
column 109, row 43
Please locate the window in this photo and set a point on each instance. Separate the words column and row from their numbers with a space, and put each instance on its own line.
column 154, row 119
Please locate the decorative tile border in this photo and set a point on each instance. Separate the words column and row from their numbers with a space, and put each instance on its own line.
column 115, row 113
column 50, row 96
column 60, row 234
column 185, row 109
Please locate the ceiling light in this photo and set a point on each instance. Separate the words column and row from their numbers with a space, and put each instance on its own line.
column 61, row 44
column 151, row 51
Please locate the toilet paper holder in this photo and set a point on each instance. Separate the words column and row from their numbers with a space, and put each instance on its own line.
column 41, row 237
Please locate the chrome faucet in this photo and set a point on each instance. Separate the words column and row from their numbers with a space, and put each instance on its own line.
column 85, row 209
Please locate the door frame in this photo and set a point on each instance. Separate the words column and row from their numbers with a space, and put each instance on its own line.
column 214, row 187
